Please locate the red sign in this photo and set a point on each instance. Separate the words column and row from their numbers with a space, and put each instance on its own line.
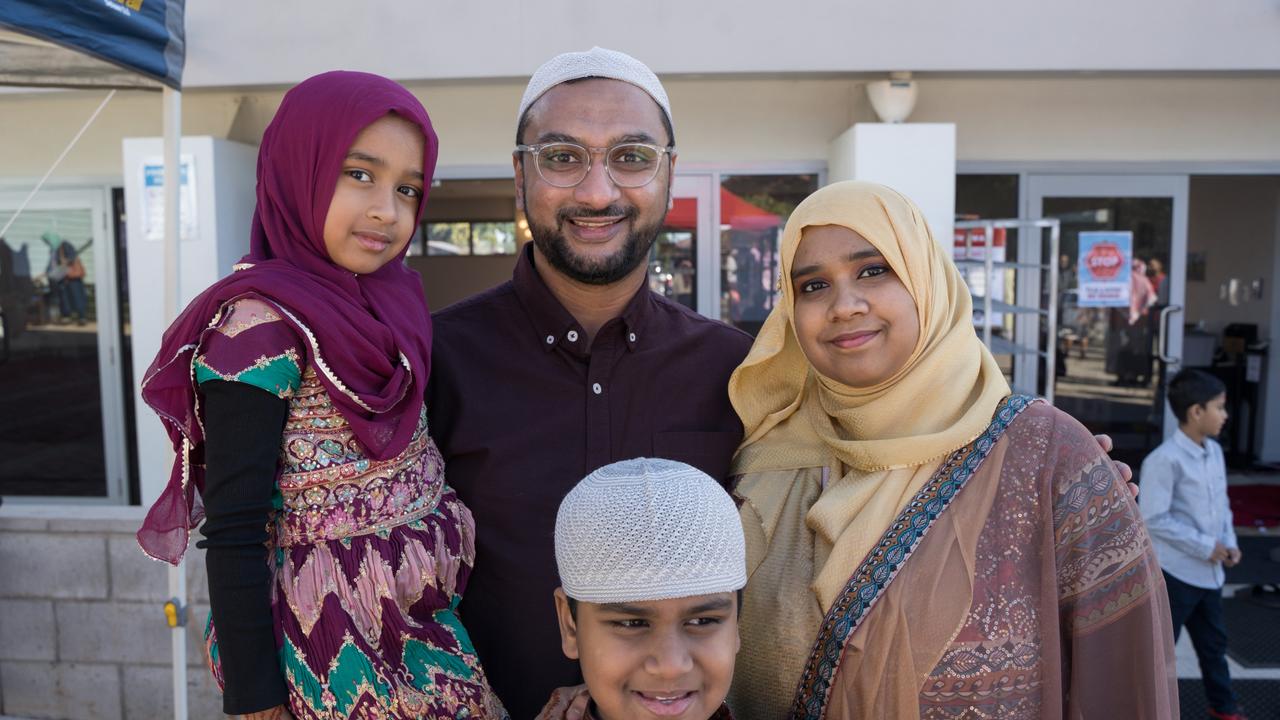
column 976, row 237
column 1104, row 260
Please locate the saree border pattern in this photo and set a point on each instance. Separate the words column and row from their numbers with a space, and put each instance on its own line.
column 888, row 556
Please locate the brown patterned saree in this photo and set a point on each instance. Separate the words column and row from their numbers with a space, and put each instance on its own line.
column 1019, row 583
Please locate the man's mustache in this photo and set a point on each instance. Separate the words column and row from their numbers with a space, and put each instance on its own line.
column 612, row 211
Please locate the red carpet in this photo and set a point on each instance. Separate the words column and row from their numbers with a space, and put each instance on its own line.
column 1255, row 505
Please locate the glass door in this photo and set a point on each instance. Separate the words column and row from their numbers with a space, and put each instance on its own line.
column 677, row 253
column 61, row 395
column 1121, row 289
column 718, row 251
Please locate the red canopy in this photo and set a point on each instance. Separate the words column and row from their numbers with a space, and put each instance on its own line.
column 735, row 212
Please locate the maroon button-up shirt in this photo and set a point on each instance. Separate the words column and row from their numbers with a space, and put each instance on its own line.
column 523, row 409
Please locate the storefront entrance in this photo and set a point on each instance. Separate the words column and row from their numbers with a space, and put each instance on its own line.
column 1114, row 359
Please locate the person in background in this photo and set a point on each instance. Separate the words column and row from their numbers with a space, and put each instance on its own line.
column 1129, row 340
column 66, row 278
column 1184, row 500
column 73, row 288
column 1156, row 273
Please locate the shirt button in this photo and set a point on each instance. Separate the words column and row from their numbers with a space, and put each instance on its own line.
column 595, row 388
column 551, row 339
column 632, row 337
column 573, row 336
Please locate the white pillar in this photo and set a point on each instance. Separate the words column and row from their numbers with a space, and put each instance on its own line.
column 916, row 159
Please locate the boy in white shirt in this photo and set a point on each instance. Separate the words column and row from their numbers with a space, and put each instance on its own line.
column 1184, row 502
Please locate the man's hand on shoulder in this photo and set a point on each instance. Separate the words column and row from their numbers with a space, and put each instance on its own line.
column 566, row 703
column 1126, row 472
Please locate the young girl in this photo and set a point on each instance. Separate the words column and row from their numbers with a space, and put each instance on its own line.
column 293, row 393
column 920, row 542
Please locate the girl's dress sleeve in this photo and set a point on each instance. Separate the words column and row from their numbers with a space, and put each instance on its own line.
column 246, row 368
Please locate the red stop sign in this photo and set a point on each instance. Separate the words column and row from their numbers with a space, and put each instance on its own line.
column 1104, row 260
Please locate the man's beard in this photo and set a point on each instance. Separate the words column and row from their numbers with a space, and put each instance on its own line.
column 553, row 245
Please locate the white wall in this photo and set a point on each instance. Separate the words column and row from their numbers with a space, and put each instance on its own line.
column 37, row 126
column 247, row 42
column 1144, row 118
column 916, row 159
column 1232, row 220
column 737, row 120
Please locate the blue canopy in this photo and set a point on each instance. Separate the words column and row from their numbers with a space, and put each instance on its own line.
column 92, row 43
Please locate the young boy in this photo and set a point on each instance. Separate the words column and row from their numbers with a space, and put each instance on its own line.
column 652, row 561
column 1184, row 501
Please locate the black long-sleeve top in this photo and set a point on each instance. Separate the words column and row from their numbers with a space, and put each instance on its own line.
column 243, row 426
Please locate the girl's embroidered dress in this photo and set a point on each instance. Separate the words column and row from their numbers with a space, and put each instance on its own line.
column 369, row 557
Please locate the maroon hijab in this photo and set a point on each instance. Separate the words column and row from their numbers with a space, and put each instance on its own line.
column 367, row 336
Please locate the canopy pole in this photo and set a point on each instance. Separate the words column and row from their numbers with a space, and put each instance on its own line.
column 172, row 187
column 57, row 162
column 172, row 246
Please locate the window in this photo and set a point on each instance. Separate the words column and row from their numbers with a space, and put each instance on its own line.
column 467, row 238
column 468, row 217
column 51, row 409
column 753, row 211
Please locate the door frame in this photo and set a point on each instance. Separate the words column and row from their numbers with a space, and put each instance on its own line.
column 1037, row 186
column 701, row 181
column 699, row 187
column 110, row 378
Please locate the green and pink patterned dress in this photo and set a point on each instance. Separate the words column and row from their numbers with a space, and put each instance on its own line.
column 369, row 557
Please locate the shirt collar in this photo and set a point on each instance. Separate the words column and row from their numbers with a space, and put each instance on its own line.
column 555, row 325
column 1188, row 445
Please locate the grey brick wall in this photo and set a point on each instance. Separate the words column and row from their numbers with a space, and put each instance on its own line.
column 82, row 629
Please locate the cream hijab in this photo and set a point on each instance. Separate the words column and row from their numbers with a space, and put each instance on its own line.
column 879, row 444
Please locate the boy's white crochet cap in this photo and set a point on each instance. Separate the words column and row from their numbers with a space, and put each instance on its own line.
column 596, row 62
column 648, row 529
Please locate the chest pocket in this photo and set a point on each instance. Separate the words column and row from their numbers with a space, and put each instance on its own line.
column 710, row 452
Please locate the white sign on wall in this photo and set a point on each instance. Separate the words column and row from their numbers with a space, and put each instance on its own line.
column 153, row 199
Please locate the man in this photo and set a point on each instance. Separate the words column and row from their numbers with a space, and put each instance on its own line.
column 574, row 364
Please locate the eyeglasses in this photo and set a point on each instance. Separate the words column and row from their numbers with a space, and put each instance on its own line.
column 564, row 165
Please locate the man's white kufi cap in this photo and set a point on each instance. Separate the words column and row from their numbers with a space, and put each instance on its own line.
column 596, row 62
column 648, row 529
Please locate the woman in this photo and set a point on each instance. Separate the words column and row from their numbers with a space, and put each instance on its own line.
column 293, row 393
column 920, row 542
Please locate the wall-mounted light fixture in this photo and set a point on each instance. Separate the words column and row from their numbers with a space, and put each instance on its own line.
column 893, row 99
